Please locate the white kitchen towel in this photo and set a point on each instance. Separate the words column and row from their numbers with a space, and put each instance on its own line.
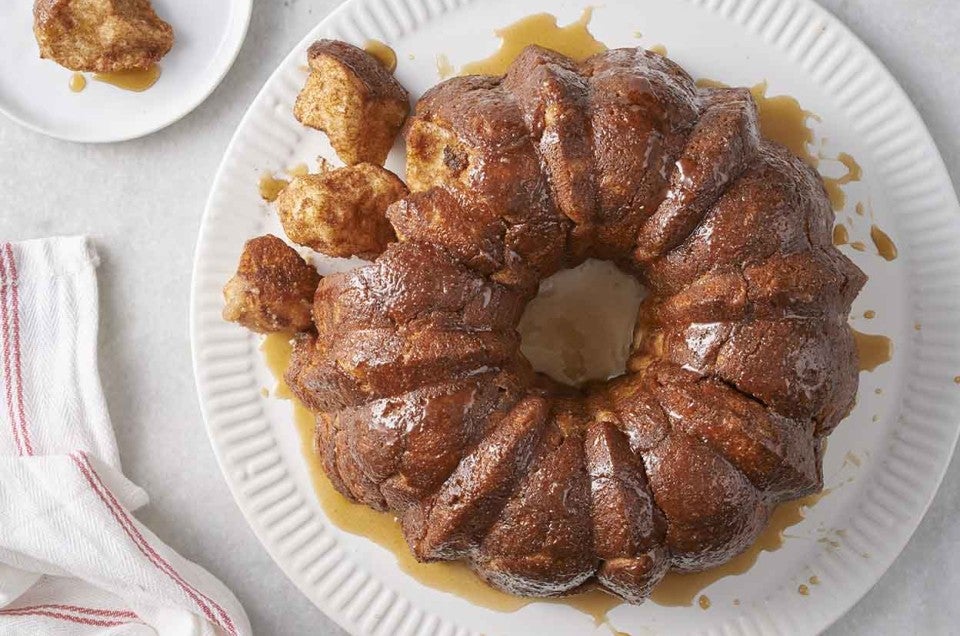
column 73, row 559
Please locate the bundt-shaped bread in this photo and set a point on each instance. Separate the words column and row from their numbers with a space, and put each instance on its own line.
column 743, row 361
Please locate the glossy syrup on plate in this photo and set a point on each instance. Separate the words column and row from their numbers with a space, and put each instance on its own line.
column 384, row 54
column 270, row 186
column 135, row 80
column 784, row 120
column 683, row 589
column 872, row 349
column 78, row 82
column 573, row 40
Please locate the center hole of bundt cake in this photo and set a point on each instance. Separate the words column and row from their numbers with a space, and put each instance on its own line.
column 580, row 325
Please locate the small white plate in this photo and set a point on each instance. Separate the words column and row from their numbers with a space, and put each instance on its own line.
column 36, row 92
column 884, row 461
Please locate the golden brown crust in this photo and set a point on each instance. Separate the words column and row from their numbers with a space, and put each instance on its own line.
column 351, row 97
column 469, row 136
column 272, row 289
column 541, row 543
column 101, row 36
column 341, row 212
column 629, row 529
column 642, row 107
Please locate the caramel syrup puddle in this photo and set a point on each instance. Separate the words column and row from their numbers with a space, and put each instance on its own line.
column 298, row 170
column 872, row 349
column 681, row 590
column 884, row 244
column 77, row 82
column 841, row 235
column 784, row 120
column 573, row 40
column 135, row 80
column 384, row 54
column 886, row 248
column 445, row 69
column 271, row 186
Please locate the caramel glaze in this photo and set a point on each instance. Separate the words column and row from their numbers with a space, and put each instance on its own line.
column 841, row 235
column 784, row 120
column 682, row 589
column 137, row 80
column 884, row 244
column 78, row 82
column 872, row 349
column 455, row 577
column 573, row 40
column 886, row 248
column 270, row 187
column 384, row 54
column 833, row 184
column 444, row 68
column 298, row 170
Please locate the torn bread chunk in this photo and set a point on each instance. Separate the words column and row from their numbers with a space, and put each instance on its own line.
column 354, row 99
column 100, row 36
column 341, row 212
column 273, row 288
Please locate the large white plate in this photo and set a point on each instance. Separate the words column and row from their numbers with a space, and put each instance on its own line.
column 803, row 52
column 35, row 92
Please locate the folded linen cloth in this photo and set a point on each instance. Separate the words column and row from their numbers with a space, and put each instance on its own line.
column 73, row 559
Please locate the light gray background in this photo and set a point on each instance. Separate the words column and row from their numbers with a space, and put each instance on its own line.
column 142, row 202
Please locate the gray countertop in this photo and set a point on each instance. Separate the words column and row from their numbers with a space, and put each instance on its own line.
column 142, row 201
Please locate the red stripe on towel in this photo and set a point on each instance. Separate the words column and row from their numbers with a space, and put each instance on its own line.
column 90, row 473
column 80, row 610
column 7, row 375
column 83, row 620
column 17, row 363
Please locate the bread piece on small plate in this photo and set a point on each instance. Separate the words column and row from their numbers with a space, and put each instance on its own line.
column 341, row 212
column 273, row 288
column 101, row 36
column 354, row 99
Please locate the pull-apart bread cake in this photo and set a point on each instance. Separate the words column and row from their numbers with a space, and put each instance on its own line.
column 742, row 364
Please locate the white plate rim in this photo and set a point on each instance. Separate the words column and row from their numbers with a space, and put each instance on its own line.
column 240, row 11
column 906, row 108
